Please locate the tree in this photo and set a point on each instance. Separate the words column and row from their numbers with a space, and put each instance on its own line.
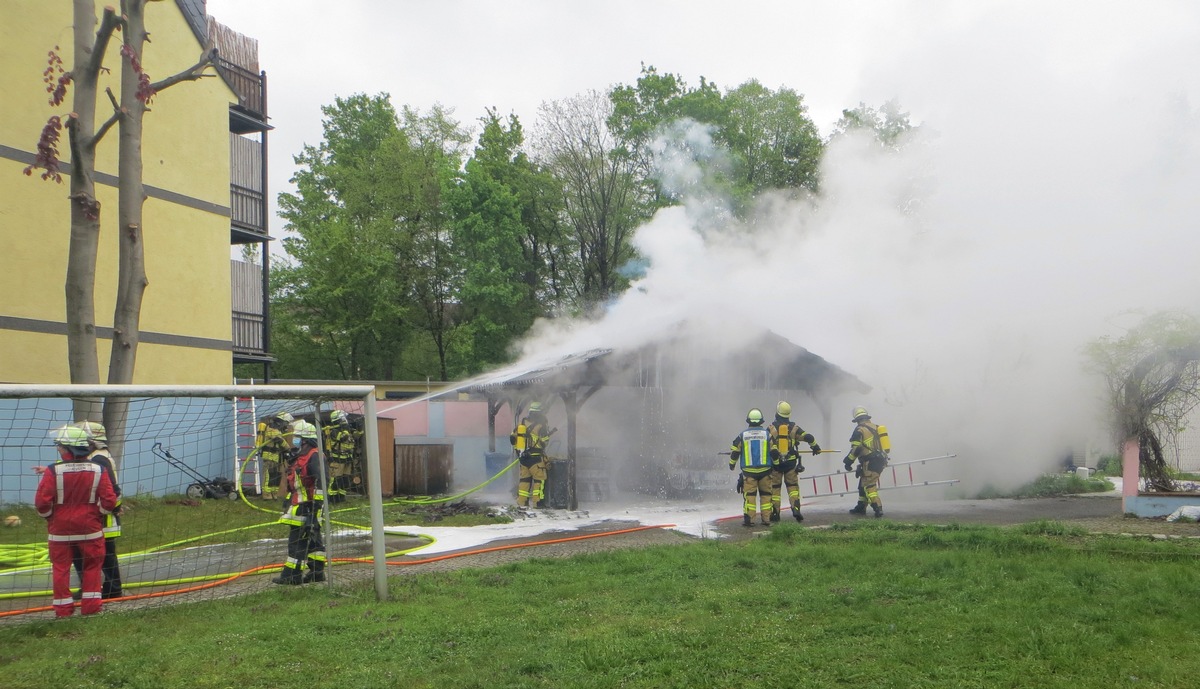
column 438, row 148
column 774, row 143
column 136, row 91
column 1153, row 378
column 600, row 193
column 340, row 309
column 891, row 132
column 889, row 125
column 505, row 237
column 642, row 112
column 768, row 140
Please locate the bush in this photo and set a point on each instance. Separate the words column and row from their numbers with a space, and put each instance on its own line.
column 1110, row 465
column 1050, row 485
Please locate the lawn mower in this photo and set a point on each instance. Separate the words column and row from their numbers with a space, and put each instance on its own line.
column 217, row 488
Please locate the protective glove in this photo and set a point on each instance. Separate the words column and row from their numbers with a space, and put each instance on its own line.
column 526, row 456
column 816, row 449
column 774, row 455
column 741, row 483
column 848, row 463
column 799, row 467
column 858, row 471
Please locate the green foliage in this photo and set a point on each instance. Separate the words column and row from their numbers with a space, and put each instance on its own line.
column 767, row 134
column 1050, row 485
column 506, row 236
column 889, row 125
column 938, row 606
column 1110, row 465
column 337, row 306
column 774, row 143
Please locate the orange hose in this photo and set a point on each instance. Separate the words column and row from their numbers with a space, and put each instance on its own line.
column 213, row 584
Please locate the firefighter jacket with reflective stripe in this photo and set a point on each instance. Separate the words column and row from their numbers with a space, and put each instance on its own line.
column 74, row 497
column 750, row 450
column 785, row 436
column 866, row 442
column 112, row 522
column 272, row 444
column 339, row 443
column 304, row 486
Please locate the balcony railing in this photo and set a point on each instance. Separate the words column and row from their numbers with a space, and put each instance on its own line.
column 247, row 202
column 249, row 320
column 251, row 88
column 248, row 209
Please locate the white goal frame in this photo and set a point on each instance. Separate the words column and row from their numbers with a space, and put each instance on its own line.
column 316, row 393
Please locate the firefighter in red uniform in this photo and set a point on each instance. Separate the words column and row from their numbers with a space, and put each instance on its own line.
column 74, row 496
column 305, row 481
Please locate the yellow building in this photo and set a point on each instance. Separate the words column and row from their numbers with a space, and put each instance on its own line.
column 204, row 151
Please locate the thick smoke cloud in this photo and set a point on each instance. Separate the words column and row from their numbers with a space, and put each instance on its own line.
column 1049, row 193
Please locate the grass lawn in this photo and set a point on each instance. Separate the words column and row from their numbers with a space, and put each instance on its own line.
column 871, row 605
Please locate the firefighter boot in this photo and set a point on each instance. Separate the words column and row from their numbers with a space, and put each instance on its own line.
column 290, row 576
column 860, row 508
column 799, row 517
column 315, row 573
column 775, row 514
column 878, row 510
column 747, row 521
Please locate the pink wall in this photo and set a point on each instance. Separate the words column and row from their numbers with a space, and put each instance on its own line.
column 468, row 419
column 450, row 419
column 411, row 419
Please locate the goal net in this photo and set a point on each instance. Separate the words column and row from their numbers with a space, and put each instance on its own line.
column 200, row 515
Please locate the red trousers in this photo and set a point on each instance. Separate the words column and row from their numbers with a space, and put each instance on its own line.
column 92, row 553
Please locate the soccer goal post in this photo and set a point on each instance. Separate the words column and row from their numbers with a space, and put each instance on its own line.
column 189, row 452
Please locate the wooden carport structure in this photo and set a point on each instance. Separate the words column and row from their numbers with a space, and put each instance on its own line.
column 774, row 363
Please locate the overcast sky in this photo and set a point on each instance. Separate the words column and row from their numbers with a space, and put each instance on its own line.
column 513, row 55
column 1059, row 174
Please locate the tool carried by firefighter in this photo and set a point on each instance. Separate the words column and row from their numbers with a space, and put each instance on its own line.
column 216, row 488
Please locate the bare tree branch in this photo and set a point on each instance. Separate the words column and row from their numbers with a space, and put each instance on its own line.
column 108, row 124
column 108, row 23
column 193, row 73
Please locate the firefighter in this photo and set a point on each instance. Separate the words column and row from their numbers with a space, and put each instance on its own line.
column 750, row 451
column 74, row 496
column 339, row 443
column 529, row 440
column 272, row 445
column 306, row 496
column 869, row 445
column 111, row 570
column 785, row 436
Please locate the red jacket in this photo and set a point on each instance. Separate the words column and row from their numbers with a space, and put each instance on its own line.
column 74, row 497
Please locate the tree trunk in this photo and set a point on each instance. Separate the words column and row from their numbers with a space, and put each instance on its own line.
column 80, row 288
column 131, row 271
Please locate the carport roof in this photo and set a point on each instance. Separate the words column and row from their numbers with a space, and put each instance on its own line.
column 789, row 367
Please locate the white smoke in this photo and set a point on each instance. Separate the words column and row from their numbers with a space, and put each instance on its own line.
column 1055, row 189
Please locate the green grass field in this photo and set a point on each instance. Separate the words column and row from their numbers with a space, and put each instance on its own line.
column 870, row 605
